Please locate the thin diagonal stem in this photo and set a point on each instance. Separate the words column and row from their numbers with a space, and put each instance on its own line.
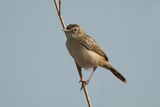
column 58, row 8
column 84, row 85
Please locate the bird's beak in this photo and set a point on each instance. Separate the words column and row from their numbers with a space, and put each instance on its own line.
column 65, row 30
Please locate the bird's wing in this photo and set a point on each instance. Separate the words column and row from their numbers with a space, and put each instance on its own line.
column 91, row 45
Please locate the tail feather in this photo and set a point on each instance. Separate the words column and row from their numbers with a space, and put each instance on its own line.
column 116, row 73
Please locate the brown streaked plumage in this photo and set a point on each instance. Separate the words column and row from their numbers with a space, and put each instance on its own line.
column 86, row 52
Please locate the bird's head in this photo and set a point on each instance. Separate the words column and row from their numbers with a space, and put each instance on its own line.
column 73, row 30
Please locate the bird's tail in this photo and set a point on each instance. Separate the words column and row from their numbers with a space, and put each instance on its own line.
column 115, row 72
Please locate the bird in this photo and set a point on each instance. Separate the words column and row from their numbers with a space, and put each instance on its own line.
column 86, row 53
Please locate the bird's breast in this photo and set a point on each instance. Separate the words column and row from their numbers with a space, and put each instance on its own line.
column 84, row 57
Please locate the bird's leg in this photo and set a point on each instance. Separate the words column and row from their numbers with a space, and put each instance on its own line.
column 79, row 71
column 81, row 76
column 91, row 75
column 87, row 81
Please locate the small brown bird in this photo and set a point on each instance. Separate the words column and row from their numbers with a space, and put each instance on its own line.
column 86, row 52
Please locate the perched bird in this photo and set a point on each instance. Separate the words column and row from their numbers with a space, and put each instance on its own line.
column 86, row 52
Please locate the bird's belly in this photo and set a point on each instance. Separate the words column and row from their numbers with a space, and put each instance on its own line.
column 84, row 57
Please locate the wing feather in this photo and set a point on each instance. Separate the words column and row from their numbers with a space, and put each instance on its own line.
column 89, row 43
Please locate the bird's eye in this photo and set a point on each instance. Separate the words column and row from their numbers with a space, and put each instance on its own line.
column 75, row 29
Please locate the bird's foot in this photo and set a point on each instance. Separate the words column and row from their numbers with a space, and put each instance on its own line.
column 84, row 83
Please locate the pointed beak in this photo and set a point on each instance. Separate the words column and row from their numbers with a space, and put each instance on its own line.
column 65, row 30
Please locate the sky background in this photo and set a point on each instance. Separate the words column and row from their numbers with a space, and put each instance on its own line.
column 37, row 71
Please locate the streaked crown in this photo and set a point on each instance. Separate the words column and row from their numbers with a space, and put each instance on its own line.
column 73, row 29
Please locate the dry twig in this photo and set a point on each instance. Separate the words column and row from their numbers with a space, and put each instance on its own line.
column 58, row 8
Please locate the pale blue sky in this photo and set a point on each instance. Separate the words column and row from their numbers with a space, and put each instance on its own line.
column 37, row 71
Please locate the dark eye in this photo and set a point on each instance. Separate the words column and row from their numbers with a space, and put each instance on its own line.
column 75, row 29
